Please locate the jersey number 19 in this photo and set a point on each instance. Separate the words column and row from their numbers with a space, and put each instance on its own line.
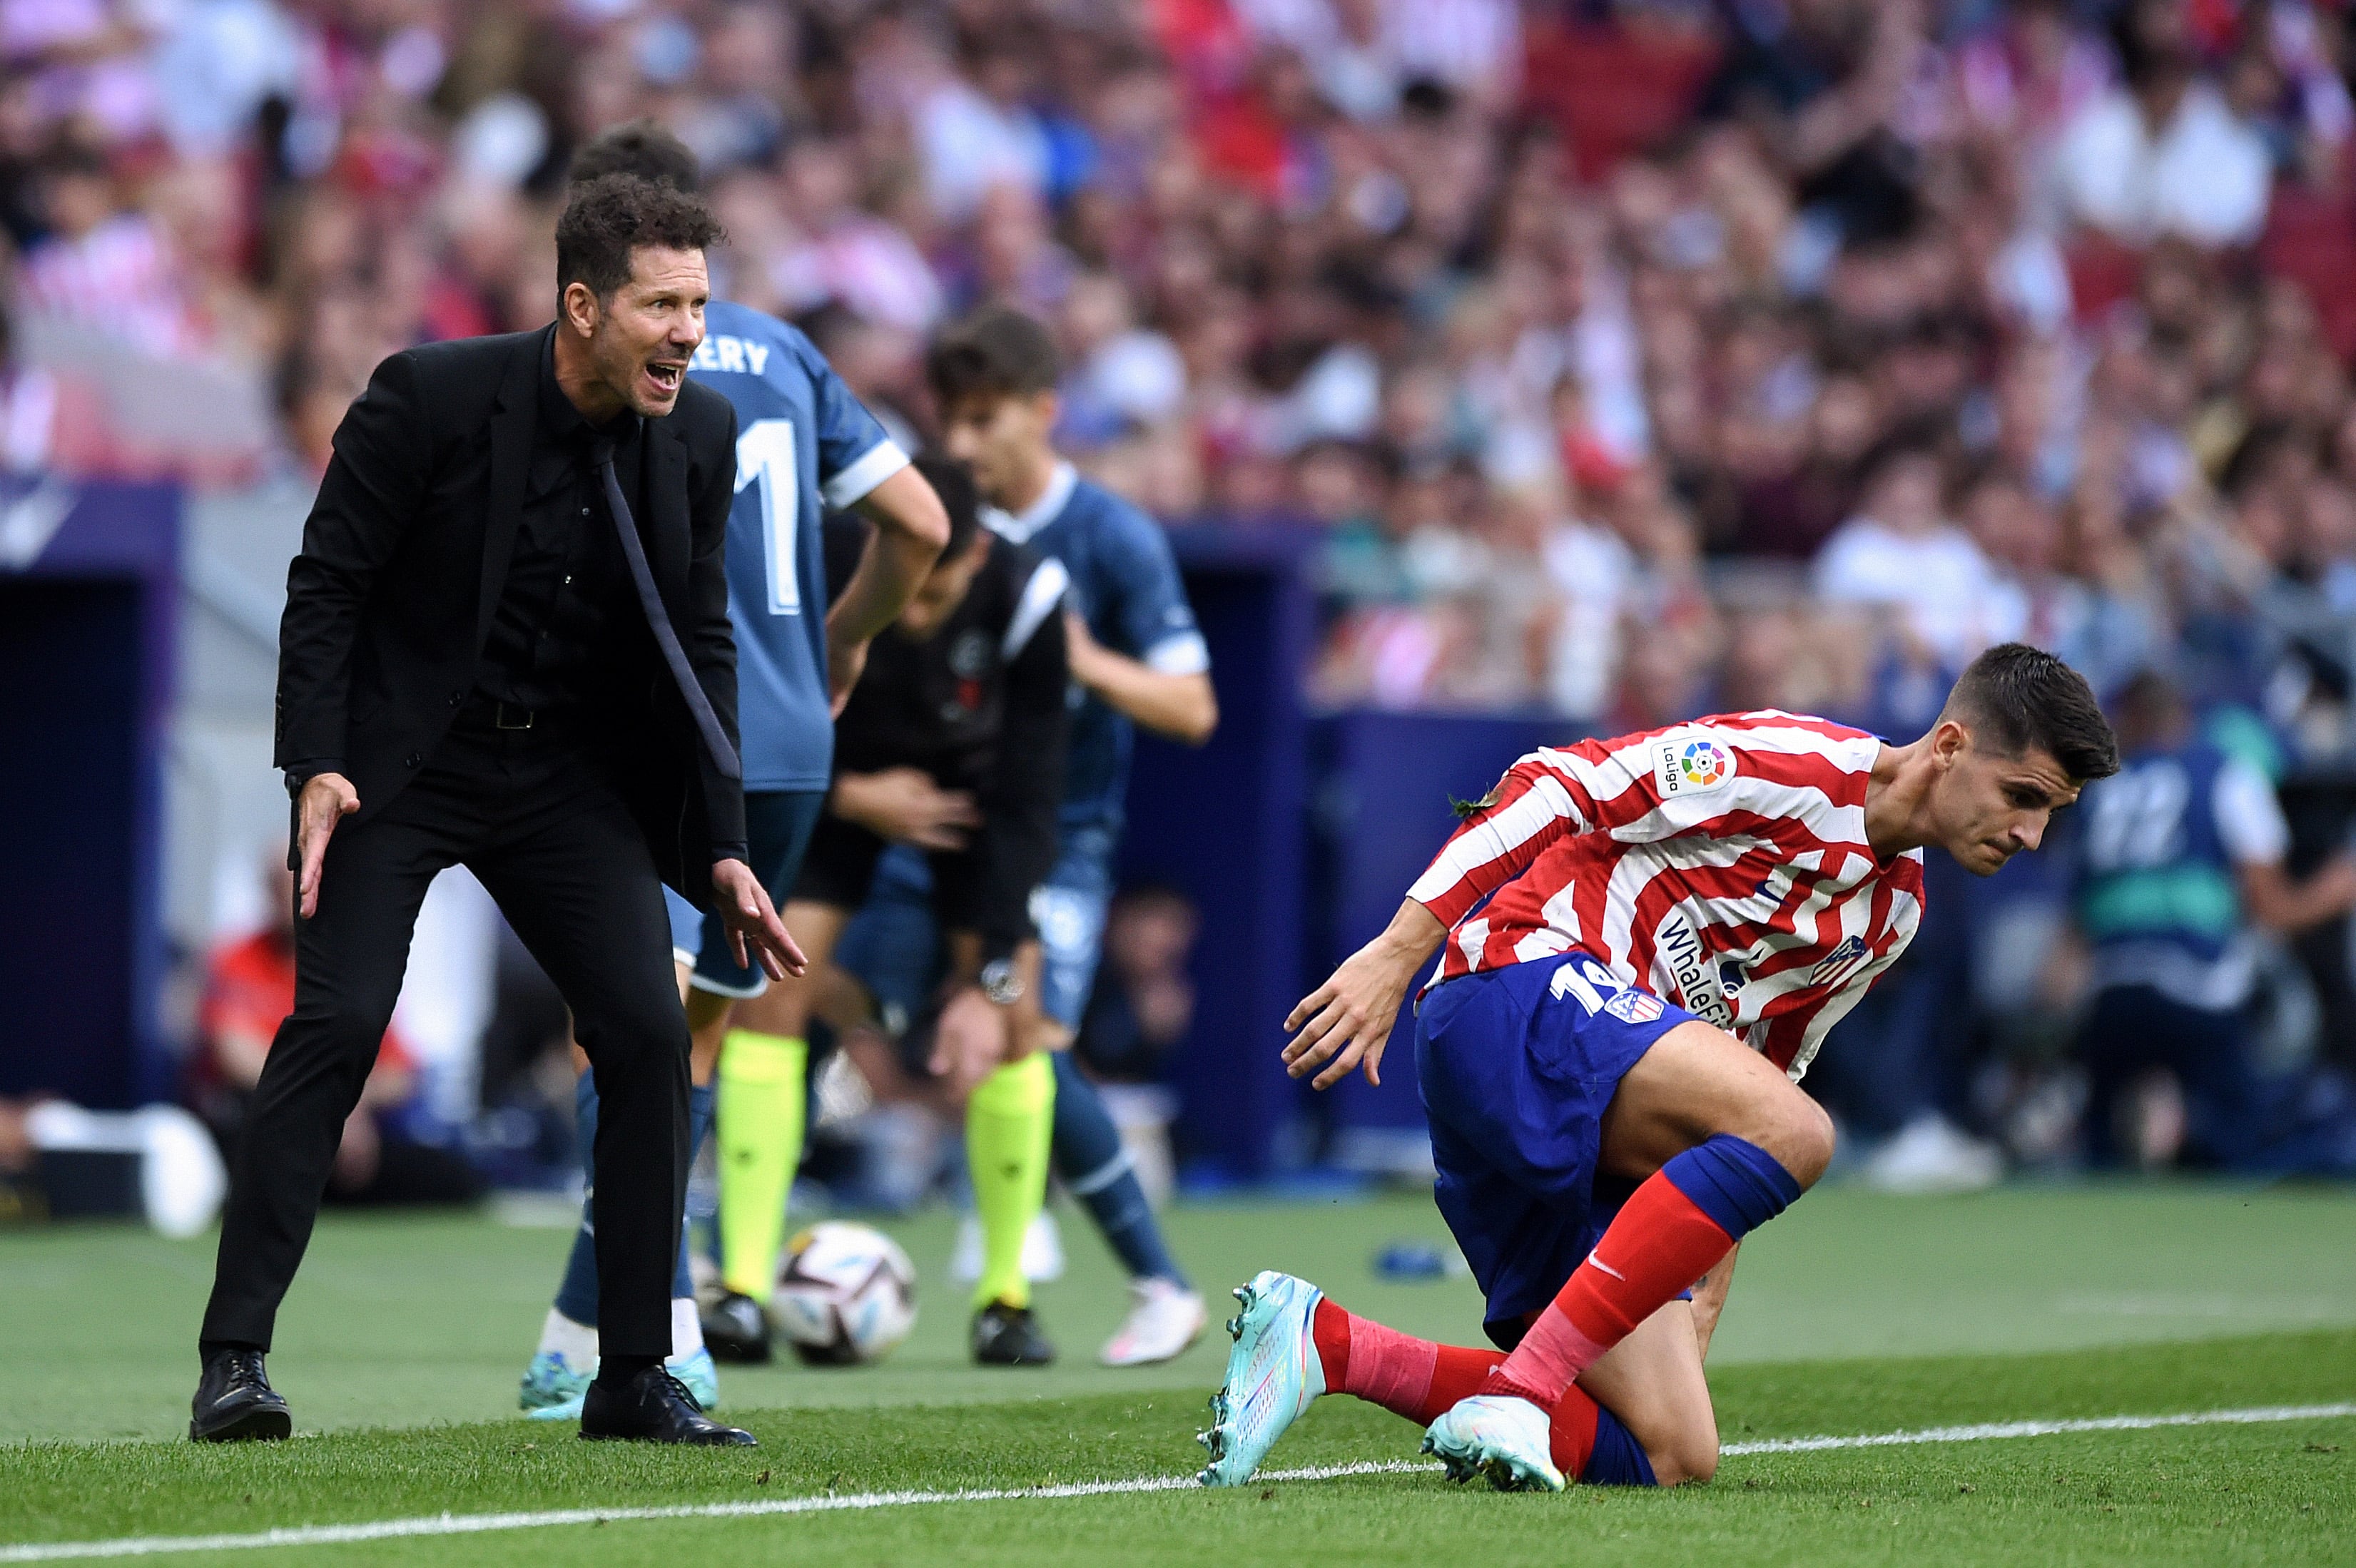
column 765, row 456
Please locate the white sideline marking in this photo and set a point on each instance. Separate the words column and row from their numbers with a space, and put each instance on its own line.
column 481, row 1524
column 1987, row 1430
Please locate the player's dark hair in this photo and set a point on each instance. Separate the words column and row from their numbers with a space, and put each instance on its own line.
column 960, row 499
column 642, row 148
column 1913, row 442
column 997, row 352
column 2015, row 696
column 608, row 217
column 2147, row 706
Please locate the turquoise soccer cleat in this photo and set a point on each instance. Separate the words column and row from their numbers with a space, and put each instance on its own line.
column 551, row 1381
column 701, row 1376
column 697, row 1371
column 1507, row 1439
column 1272, row 1374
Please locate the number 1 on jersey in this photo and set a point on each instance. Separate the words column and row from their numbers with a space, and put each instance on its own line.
column 765, row 456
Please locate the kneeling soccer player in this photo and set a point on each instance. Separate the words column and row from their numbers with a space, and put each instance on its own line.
column 963, row 700
column 1647, row 939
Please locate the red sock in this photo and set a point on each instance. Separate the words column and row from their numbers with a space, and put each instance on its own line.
column 1661, row 1243
column 1419, row 1380
column 1572, row 1435
column 1407, row 1376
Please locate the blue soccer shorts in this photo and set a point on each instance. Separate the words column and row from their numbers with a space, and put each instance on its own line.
column 891, row 947
column 1517, row 1066
column 777, row 825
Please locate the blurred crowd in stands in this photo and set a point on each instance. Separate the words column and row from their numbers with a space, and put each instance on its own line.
column 1627, row 359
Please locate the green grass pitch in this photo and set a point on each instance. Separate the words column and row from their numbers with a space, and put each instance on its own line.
column 1852, row 1315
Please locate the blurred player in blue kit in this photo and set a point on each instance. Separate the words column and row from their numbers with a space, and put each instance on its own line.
column 963, row 701
column 804, row 442
column 2182, row 866
column 1136, row 658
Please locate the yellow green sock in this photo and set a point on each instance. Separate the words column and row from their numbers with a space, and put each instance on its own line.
column 762, row 1106
column 1007, row 1123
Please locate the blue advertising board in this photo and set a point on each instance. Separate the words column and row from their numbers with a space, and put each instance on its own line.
column 87, row 599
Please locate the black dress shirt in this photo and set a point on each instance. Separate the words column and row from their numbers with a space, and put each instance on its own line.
column 567, row 614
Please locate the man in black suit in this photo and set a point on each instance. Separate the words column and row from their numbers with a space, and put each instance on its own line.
column 507, row 645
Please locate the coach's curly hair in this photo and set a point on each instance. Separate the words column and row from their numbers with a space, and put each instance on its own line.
column 611, row 215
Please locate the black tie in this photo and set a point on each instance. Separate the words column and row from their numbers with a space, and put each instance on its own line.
column 716, row 739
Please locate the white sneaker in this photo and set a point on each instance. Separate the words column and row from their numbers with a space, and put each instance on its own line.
column 1932, row 1155
column 1165, row 1318
column 1042, row 1250
column 1508, row 1439
column 1272, row 1374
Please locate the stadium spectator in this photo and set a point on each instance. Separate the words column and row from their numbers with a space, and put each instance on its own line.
column 2163, row 152
column 1143, row 1001
column 101, row 266
column 1901, row 555
column 249, row 989
column 28, row 410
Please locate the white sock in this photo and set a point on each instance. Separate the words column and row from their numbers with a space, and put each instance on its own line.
column 576, row 1342
column 686, row 1328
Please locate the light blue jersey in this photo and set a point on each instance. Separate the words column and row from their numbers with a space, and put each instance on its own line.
column 802, row 442
column 1125, row 585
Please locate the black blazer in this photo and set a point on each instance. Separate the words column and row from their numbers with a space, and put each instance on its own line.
column 404, row 555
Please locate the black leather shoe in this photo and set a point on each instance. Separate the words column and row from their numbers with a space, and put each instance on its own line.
column 1007, row 1335
column 654, row 1407
column 235, row 1402
column 737, row 1330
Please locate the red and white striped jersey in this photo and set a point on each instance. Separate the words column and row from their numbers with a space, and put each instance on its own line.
column 120, row 279
column 1721, row 865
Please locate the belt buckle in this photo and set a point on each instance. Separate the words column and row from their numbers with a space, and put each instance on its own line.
column 500, row 716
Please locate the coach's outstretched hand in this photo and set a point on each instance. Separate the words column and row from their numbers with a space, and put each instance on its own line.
column 1348, row 1020
column 742, row 905
column 328, row 799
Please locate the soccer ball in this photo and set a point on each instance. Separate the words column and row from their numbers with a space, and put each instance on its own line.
column 846, row 1295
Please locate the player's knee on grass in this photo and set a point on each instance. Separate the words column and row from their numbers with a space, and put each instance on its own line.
column 1652, row 1383
column 1687, row 1454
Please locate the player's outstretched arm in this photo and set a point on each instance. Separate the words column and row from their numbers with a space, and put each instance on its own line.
column 911, row 528
column 1177, row 704
column 1348, row 1020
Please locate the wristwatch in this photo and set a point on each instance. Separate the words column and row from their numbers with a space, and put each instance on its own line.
column 1001, row 982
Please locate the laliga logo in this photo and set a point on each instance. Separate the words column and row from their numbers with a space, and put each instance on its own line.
column 1702, row 764
column 1685, row 766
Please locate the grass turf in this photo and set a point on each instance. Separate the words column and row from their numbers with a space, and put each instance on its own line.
column 2273, row 1493
column 405, row 1322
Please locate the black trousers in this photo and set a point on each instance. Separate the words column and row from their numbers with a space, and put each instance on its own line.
column 2131, row 1030
column 534, row 818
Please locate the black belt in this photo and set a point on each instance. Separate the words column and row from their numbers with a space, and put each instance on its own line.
column 483, row 712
